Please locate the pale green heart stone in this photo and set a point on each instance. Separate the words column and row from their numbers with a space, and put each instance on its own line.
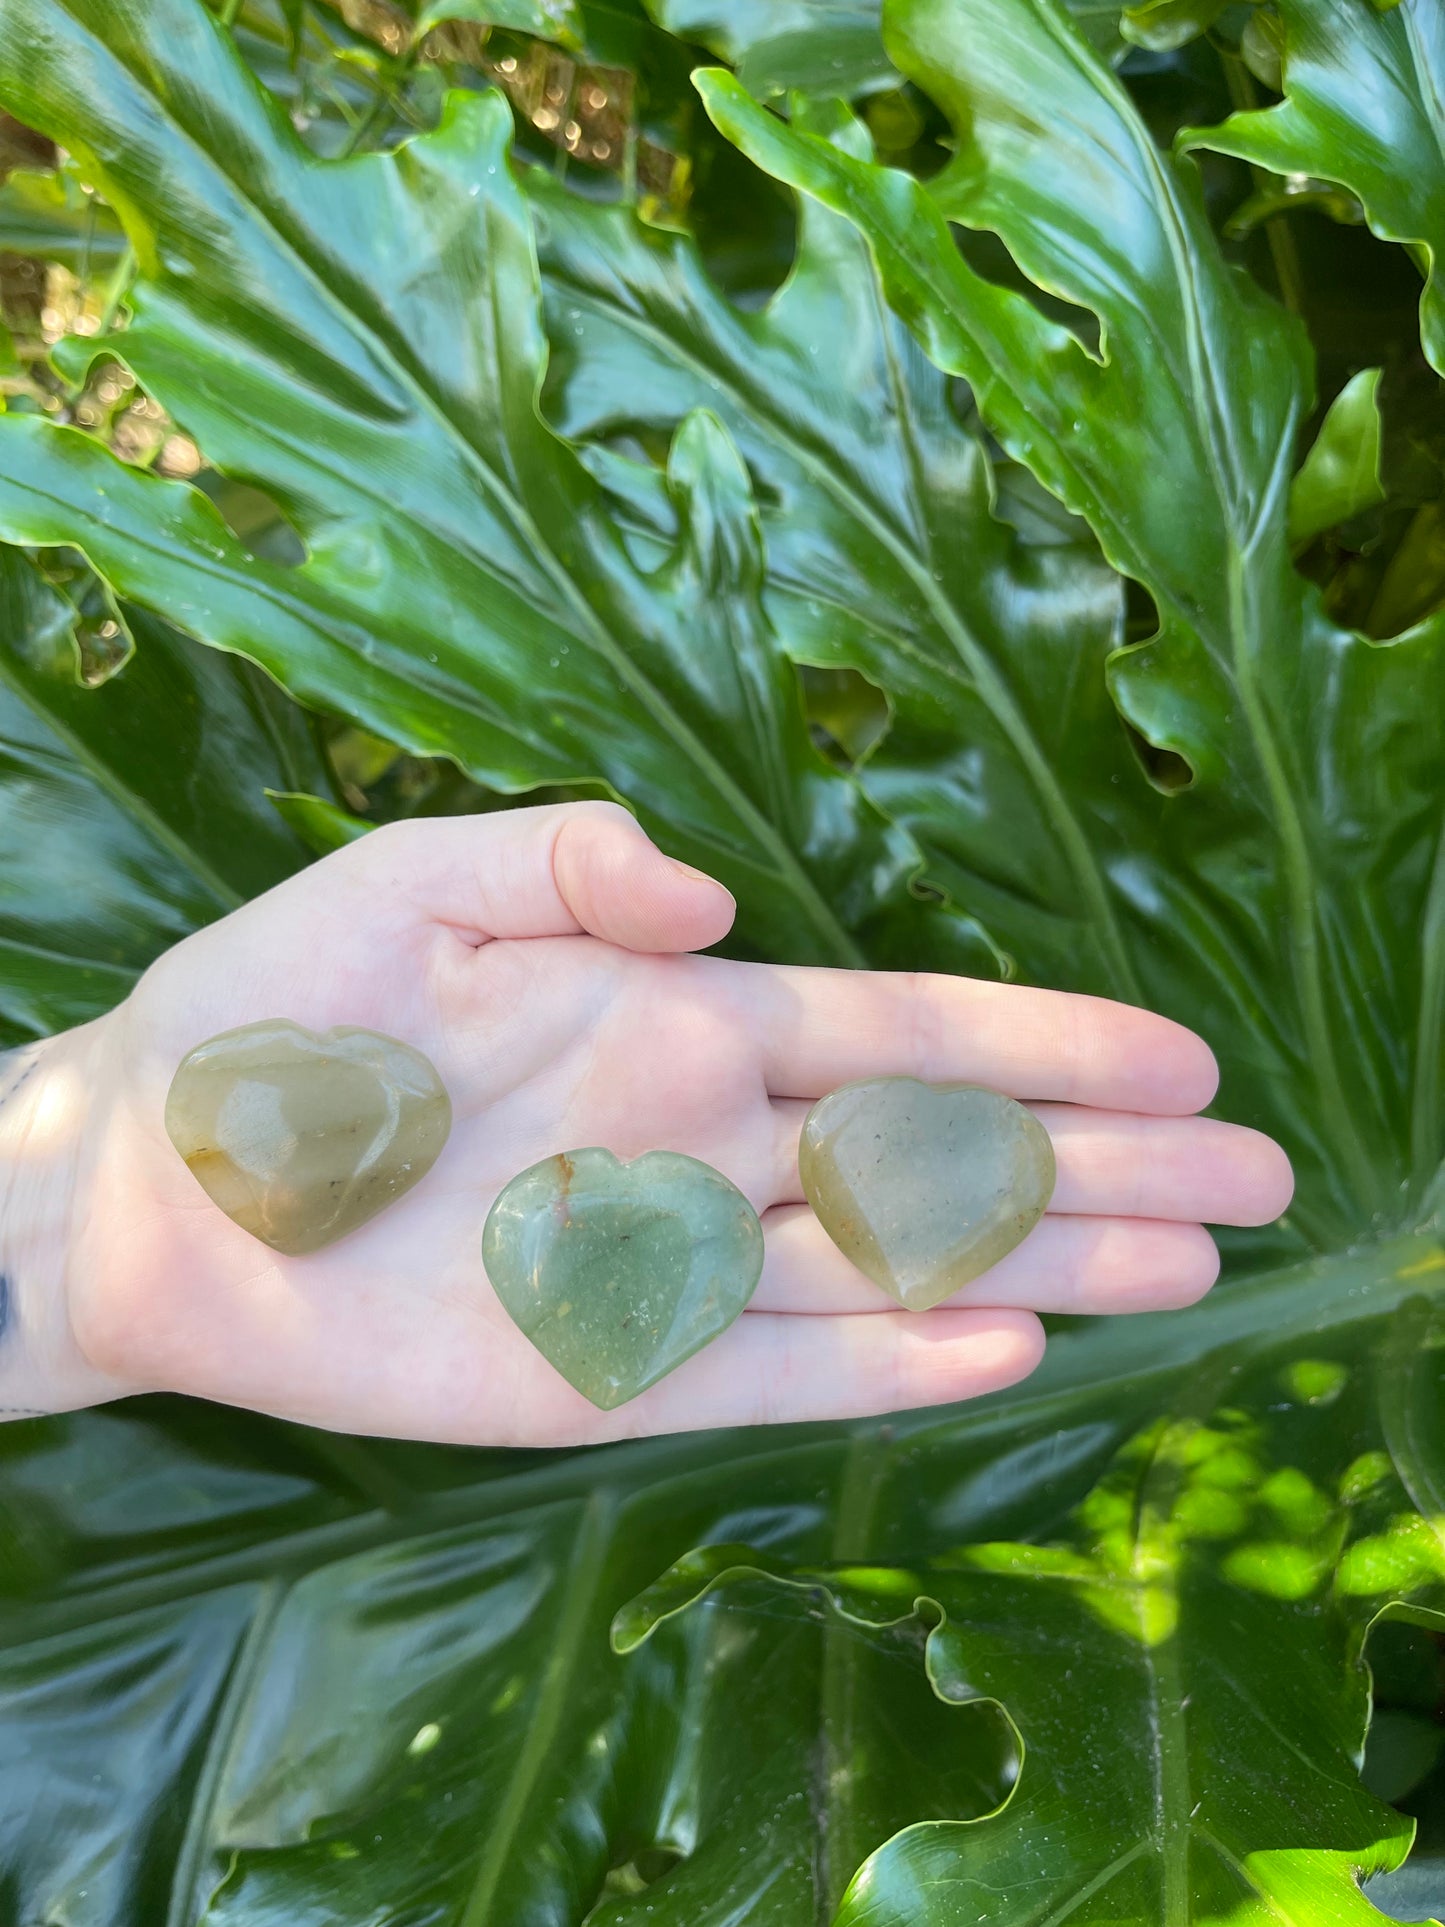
column 924, row 1186
column 299, row 1136
column 618, row 1271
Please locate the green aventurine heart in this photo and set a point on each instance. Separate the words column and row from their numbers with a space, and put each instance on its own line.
column 618, row 1271
column 924, row 1186
column 300, row 1136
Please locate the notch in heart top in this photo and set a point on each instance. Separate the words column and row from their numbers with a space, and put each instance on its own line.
column 299, row 1136
column 618, row 1271
column 924, row 1186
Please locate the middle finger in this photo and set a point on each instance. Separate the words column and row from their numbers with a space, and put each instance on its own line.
column 1080, row 1265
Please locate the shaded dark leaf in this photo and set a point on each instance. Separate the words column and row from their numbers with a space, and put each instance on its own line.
column 113, row 851
column 1363, row 88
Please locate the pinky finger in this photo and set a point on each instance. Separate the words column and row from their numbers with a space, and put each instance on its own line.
column 775, row 1367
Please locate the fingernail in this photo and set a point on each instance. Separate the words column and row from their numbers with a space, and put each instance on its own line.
column 695, row 876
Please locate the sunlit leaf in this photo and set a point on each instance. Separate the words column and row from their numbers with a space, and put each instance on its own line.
column 1186, row 1600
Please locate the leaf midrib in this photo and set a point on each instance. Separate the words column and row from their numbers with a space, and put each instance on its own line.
column 224, row 1726
column 65, row 961
column 1000, row 700
column 1166, row 1697
column 579, row 1593
column 859, row 1488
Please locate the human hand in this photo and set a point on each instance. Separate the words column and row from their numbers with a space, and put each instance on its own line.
column 539, row 958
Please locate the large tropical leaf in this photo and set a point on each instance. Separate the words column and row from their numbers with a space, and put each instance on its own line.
column 133, row 812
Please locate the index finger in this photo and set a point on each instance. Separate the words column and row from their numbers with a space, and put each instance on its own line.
column 822, row 1028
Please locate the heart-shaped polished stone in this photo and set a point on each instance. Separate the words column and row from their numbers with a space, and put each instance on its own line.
column 618, row 1271
column 300, row 1135
column 924, row 1186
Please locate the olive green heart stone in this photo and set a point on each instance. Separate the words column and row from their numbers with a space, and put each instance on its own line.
column 924, row 1186
column 300, row 1136
column 618, row 1271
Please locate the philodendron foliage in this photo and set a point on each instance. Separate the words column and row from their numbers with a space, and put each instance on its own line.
column 971, row 476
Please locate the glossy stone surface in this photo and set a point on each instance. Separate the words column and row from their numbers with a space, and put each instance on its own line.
column 618, row 1271
column 300, row 1136
column 924, row 1186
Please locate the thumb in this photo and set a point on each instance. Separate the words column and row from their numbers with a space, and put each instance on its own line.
column 556, row 871
column 617, row 884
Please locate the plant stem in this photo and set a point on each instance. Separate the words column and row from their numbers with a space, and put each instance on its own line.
column 1283, row 253
column 119, row 286
column 361, row 131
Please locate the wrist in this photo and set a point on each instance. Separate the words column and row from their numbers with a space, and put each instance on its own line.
column 45, row 1094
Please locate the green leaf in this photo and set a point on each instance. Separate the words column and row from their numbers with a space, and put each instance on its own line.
column 555, row 20
column 1220, row 1576
column 1173, row 439
column 322, row 825
column 834, row 48
column 1164, row 25
column 828, row 47
column 49, row 214
column 1340, row 477
column 1363, row 89
column 464, row 593
column 112, row 851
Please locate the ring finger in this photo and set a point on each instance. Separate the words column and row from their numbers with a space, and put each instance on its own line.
column 1118, row 1164
column 1066, row 1264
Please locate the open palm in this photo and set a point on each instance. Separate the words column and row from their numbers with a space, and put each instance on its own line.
column 539, row 959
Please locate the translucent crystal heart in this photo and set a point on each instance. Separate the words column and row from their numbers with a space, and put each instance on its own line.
column 300, row 1136
column 924, row 1186
column 618, row 1271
